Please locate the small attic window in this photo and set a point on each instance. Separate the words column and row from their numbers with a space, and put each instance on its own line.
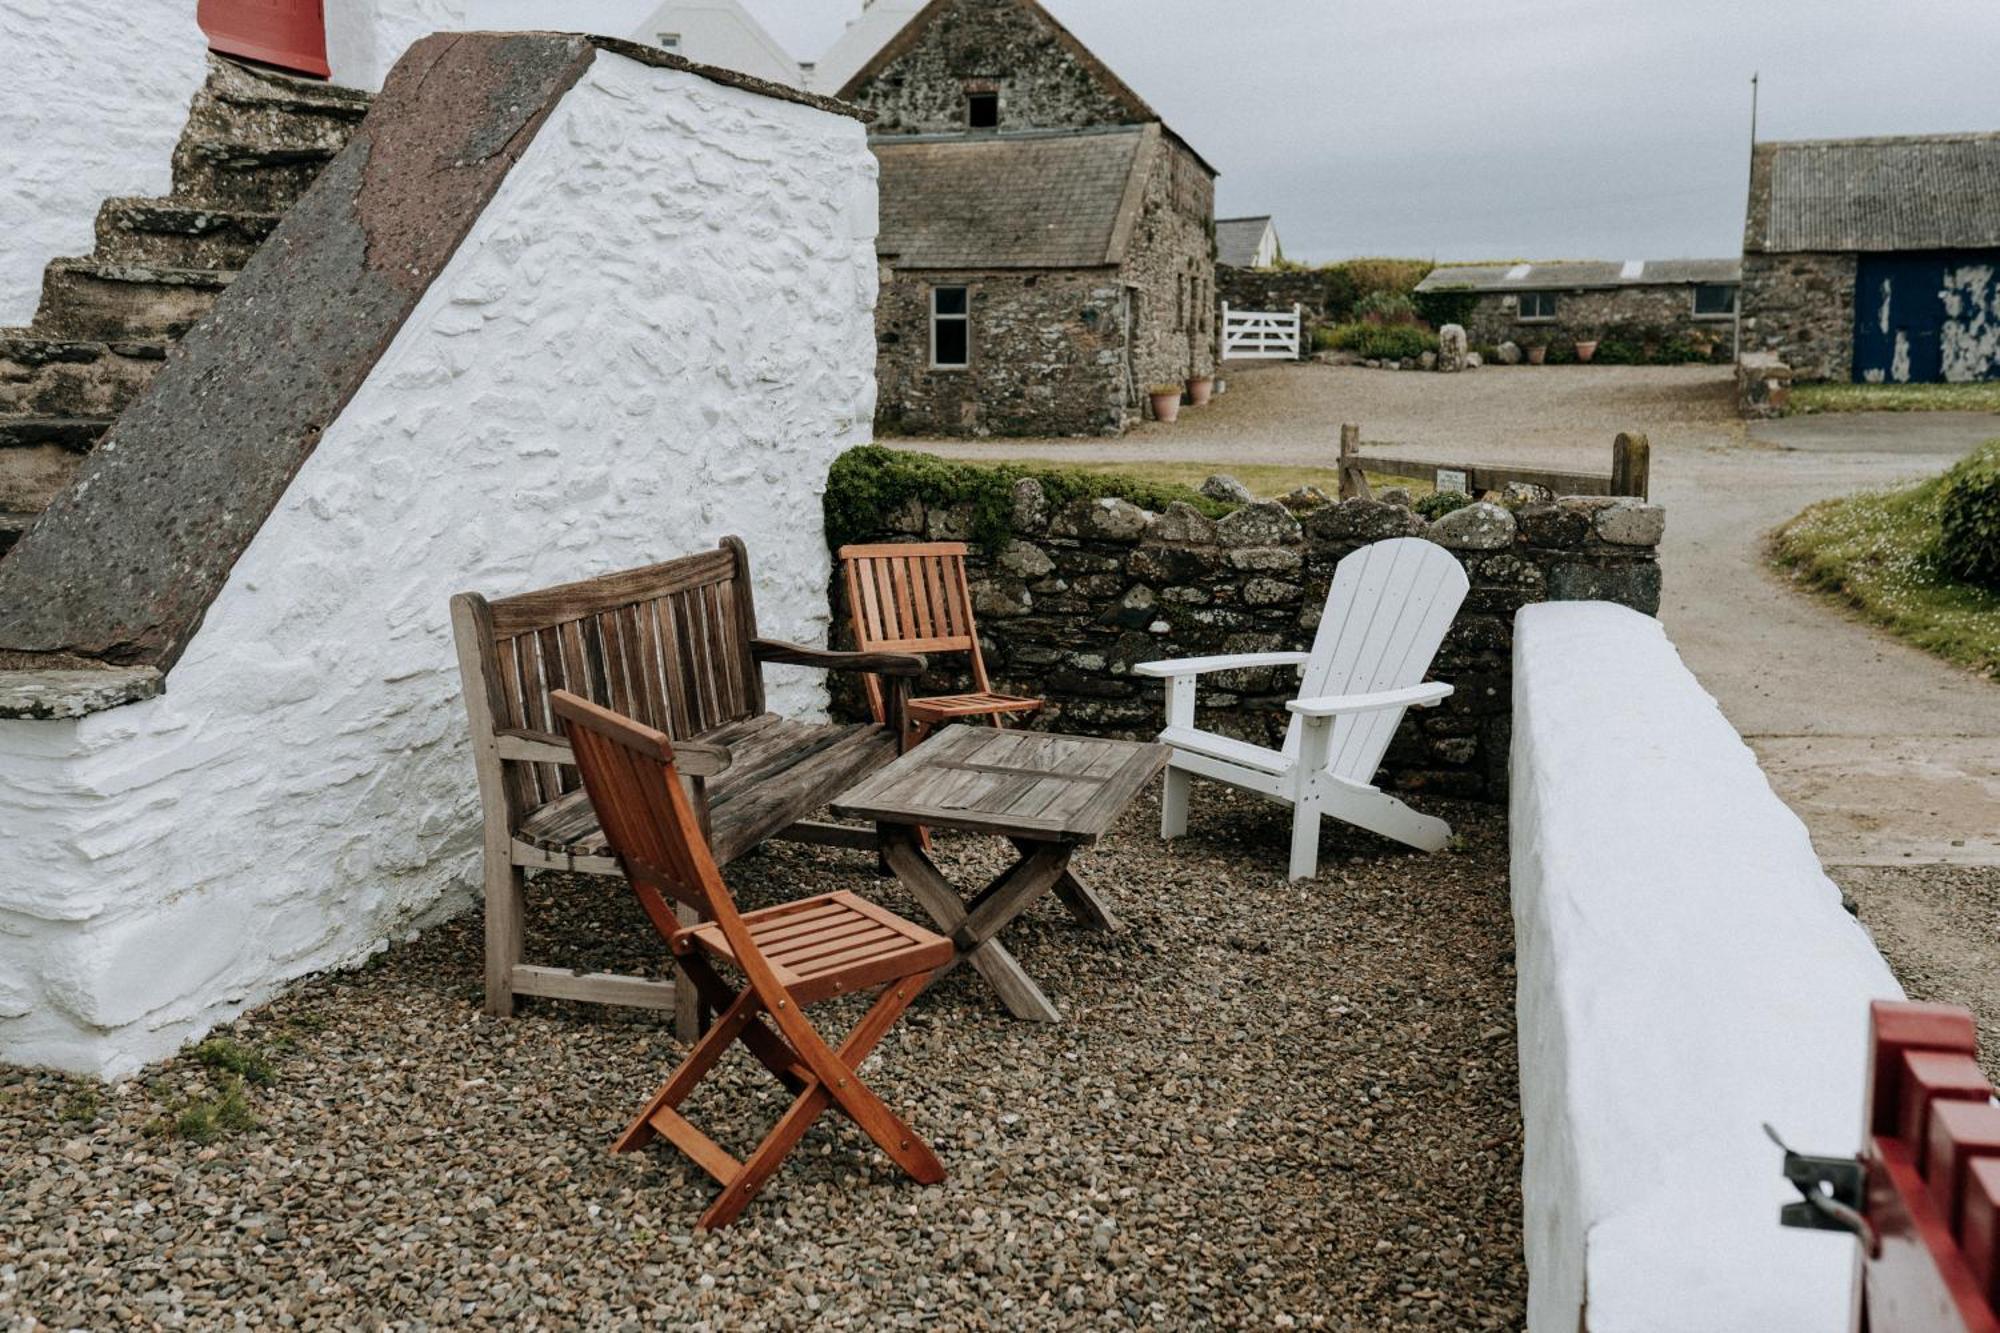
column 670, row 41
column 982, row 111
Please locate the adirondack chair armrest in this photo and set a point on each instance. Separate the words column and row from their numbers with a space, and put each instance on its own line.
column 521, row 744
column 793, row 654
column 1199, row 666
column 1428, row 695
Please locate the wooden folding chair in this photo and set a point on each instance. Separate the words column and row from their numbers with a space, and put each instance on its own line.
column 791, row 956
column 905, row 594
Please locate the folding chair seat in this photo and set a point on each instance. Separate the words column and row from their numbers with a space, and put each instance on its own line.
column 832, row 945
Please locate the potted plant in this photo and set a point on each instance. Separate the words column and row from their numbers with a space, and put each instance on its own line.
column 1166, row 402
column 1538, row 352
column 1586, row 348
column 1200, row 389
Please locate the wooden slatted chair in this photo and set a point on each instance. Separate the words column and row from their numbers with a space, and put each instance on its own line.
column 911, row 597
column 791, row 956
column 1387, row 612
column 676, row 646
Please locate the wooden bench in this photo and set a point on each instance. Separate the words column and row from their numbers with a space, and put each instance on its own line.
column 675, row 647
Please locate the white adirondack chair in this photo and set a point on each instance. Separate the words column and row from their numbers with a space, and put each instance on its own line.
column 1389, row 608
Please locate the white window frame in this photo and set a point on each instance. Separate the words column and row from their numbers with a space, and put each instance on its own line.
column 1694, row 300
column 670, row 41
column 1522, row 317
column 936, row 319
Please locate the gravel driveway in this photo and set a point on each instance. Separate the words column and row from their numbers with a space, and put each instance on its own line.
column 1272, row 1105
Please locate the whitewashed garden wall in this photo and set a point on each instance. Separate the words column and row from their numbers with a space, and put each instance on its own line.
column 659, row 332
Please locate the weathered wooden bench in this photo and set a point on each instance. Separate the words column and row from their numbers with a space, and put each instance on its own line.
column 674, row 646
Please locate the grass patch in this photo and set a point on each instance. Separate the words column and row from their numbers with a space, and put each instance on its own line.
column 233, row 1057
column 205, row 1119
column 1810, row 398
column 1877, row 552
column 1266, row 480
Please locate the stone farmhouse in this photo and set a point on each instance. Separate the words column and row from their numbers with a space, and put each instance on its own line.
column 1690, row 299
column 1247, row 243
column 1048, row 245
column 1875, row 260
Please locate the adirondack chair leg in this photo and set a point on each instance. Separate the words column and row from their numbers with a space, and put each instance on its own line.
column 1305, row 840
column 1379, row 812
column 1174, row 803
column 505, row 909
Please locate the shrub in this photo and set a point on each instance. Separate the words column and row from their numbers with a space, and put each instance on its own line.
column 234, row 1057
column 1385, row 308
column 1439, row 503
column 1386, row 342
column 1968, row 543
column 1452, row 304
column 871, row 481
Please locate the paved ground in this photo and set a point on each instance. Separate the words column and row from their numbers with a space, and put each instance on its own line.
column 1891, row 756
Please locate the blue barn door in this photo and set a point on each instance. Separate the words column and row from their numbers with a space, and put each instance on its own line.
column 1924, row 318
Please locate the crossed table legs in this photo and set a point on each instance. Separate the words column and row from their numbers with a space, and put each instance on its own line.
column 975, row 925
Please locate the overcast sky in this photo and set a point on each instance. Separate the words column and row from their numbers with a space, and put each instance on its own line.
column 1475, row 129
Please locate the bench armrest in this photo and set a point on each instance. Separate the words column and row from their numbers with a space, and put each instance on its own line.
column 793, row 654
column 1198, row 666
column 1427, row 695
column 694, row 758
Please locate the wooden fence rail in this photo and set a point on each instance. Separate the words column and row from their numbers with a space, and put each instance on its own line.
column 1631, row 471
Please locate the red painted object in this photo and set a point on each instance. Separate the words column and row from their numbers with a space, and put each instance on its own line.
column 290, row 34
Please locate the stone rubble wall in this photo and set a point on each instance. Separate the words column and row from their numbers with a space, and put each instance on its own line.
column 1273, row 289
column 1800, row 307
column 1079, row 594
column 1602, row 313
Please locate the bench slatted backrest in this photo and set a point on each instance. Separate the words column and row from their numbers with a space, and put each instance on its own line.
column 911, row 597
column 667, row 645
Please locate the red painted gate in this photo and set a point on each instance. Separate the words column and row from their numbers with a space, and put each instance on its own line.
column 290, row 34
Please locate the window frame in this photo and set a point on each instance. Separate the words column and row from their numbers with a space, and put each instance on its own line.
column 936, row 318
column 1520, row 310
column 670, row 41
column 973, row 97
column 1735, row 290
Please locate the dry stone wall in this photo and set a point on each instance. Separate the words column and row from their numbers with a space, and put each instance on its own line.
column 1627, row 312
column 1801, row 308
column 1081, row 592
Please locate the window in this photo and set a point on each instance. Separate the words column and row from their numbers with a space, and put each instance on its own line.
column 982, row 111
column 1714, row 300
column 1537, row 305
column 670, row 41
column 951, row 329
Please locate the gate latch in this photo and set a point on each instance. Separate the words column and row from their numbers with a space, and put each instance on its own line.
column 1833, row 1194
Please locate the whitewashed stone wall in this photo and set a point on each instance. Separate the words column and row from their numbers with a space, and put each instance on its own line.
column 1686, row 973
column 660, row 332
column 93, row 94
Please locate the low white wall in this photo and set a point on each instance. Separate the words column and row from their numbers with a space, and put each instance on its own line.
column 1686, row 972
column 93, row 96
column 661, row 331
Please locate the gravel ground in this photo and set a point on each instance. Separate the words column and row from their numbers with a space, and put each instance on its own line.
column 1938, row 926
column 1271, row 1106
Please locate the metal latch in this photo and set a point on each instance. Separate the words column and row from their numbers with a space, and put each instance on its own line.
column 1833, row 1194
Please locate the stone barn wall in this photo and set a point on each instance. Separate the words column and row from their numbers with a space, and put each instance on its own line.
column 1172, row 266
column 1603, row 313
column 94, row 96
column 609, row 370
column 1273, row 289
column 1077, row 594
column 1800, row 307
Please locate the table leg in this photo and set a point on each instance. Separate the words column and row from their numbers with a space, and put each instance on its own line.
column 926, row 883
column 1083, row 902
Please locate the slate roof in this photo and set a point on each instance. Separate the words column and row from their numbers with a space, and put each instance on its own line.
column 1584, row 273
column 1237, row 239
column 1909, row 192
column 1037, row 199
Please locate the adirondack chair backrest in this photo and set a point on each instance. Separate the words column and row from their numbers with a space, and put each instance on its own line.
column 911, row 597
column 667, row 645
column 1387, row 610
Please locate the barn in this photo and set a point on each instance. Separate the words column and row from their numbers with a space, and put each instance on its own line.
column 1876, row 260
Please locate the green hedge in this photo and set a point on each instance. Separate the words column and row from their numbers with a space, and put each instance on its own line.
column 1452, row 304
column 871, row 481
column 1968, row 545
column 1385, row 342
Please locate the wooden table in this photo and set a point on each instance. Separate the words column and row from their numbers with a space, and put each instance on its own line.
column 1047, row 794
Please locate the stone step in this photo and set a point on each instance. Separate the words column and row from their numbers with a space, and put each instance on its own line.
column 172, row 233
column 240, row 84
column 76, row 435
column 85, row 299
column 57, row 377
column 12, row 526
column 267, row 124
column 237, row 175
column 39, row 456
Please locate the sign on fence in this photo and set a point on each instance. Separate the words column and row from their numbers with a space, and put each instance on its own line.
column 1262, row 335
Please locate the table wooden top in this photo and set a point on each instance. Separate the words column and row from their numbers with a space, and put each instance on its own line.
column 1026, row 784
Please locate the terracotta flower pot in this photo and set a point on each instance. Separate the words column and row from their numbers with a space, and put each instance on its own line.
column 1537, row 355
column 1200, row 389
column 1166, row 405
column 1586, row 350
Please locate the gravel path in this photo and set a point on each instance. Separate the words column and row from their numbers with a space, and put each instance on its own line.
column 1272, row 1106
column 1937, row 924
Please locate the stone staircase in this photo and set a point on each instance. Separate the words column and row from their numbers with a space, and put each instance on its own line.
column 255, row 140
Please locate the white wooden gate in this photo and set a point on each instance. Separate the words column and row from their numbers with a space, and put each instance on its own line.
column 1261, row 335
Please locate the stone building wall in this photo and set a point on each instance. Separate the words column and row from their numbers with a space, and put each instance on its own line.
column 1171, row 266
column 991, row 46
column 1048, row 355
column 1078, row 595
column 1800, row 307
column 1273, row 289
column 1603, row 313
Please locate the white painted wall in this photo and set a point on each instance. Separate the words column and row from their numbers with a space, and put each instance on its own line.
column 1686, row 972
column 94, row 96
column 715, row 32
column 660, row 332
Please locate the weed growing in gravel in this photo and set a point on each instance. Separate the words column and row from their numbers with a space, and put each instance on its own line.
column 233, row 1056
column 203, row 1120
column 81, row 1106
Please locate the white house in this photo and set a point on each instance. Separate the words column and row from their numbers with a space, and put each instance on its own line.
column 1247, row 242
column 878, row 23
column 714, row 32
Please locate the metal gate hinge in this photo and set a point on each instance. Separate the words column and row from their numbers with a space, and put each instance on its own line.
column 1833, row 1194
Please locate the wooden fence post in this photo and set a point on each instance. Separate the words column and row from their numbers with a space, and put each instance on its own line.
column 1631, row 466
column 1353, row 483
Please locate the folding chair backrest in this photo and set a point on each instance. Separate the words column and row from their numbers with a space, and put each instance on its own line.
column 1389, row 607
column 911, row 597
column 628, row 770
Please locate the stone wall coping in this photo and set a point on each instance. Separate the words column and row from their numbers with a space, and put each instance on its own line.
column 58, row 695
